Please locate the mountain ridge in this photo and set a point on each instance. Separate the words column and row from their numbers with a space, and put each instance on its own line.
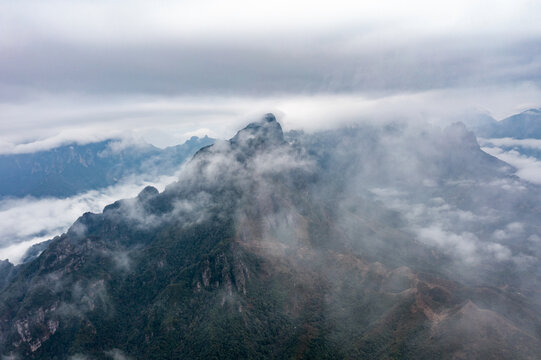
column 525, row 125
column 271, row 249
column 71, row 169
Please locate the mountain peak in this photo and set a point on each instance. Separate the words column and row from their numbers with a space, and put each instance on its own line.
column 269, row 117
column 147, row 193
column 458, row 133
column 262, row 133
column 532, row 111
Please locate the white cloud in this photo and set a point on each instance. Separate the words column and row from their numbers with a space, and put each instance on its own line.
column 510, row 142
column 463, row 245
column 528, row 168
column 452, row 230
column 50, row 121
column 15, row 252
column 82, row 71
column 28, row 221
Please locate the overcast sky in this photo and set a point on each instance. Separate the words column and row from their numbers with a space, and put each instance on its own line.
column 161, row 70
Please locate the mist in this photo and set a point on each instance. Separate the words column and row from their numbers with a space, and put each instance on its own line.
column 359, row 218
column 396, row 217
column 28, row 221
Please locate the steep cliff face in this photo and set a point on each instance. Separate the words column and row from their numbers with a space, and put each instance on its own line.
column 264, row 248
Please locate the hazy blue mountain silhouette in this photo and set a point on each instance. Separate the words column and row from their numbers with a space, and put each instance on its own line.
column 70, row 169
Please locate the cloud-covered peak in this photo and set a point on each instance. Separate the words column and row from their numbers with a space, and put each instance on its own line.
column 458, row 134
column 262, row 133
column 269, row 117
column 147, row 193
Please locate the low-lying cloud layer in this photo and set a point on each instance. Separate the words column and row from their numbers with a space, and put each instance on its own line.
column 48, row 121
column 508, row 150
column 28, row 221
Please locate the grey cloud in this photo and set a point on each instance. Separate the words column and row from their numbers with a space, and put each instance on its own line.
column 449, row 228
column 85, row 297
column 188, row 211
column 109, row 63
column 121, row 259
column 243, row 68
column 50, row 120
column 511, row 230
column 472, row 221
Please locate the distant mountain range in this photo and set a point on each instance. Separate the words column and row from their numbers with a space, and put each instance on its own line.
column 388, row 242
column 526, row 125
column 71, row 169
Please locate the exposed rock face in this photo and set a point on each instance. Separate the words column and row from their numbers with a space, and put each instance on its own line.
column 36, row 328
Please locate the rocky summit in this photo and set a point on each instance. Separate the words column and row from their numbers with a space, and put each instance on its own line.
column 352, row 243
